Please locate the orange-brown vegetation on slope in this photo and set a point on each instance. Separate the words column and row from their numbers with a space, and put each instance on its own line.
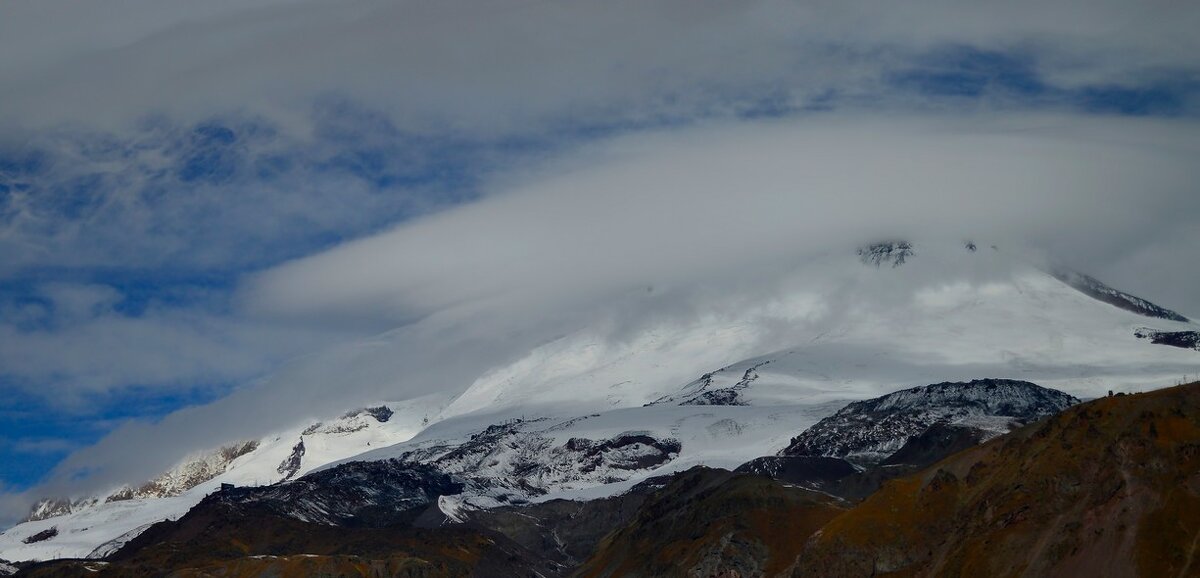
column 1107, row 488
column 306, row 565
column 714, row 523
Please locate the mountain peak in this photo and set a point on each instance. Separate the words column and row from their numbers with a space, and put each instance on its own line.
column 894, row 252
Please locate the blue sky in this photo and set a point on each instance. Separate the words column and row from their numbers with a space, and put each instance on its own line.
column 130, row 220
column 186, row 255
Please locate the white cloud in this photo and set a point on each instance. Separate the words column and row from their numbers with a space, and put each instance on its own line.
column 704, row 217
column 685, row 212
column 75, row 346
column 503, row 63
column 672, row 206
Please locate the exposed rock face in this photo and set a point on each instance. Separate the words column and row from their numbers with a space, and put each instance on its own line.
column 51, row 507
column 868, row 432
column 1095, row 289
column 702, row 392
column 289, row 466
column 853, row 452
column 42, row 536
column 193, row 472
column 894, row 253
column 935, row 443
column 1107, row 488
column 1182, row 339
column 378, row 493
column 513, row 462
column 381, row 413
column 816, row 472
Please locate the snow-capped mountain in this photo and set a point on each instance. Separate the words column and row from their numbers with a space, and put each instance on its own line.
column 337, row 437
column 191, row 472
column 96, row 525
column 596, row 411
column 870, row 431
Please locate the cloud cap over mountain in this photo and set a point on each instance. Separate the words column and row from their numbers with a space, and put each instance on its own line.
column 287, row 204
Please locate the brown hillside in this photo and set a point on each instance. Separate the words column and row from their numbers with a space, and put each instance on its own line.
column 1107, row 488
column 714, row 523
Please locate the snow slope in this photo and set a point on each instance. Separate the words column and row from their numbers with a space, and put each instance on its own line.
column 733, row 381
column 845, row 329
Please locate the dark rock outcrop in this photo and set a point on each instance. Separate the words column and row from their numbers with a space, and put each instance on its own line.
column 892, row 252
column 291, row 464
column 42, row 536
column 1181, row 339
column 868, row 432
column 1095, row 289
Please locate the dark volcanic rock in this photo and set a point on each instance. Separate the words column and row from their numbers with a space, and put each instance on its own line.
column 817, row 472
column 893, row 252
column 514, row 461
column 1181, row 339
column 562, row 531
column 851, row 453
column 1095, row 289
column 381, row 413
column 351, row 520
column 372, row 494
column 592, row 454
column 42, row 536
column 291, row 464
column 868, row 432
column 702, row 392
column 935, row 443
